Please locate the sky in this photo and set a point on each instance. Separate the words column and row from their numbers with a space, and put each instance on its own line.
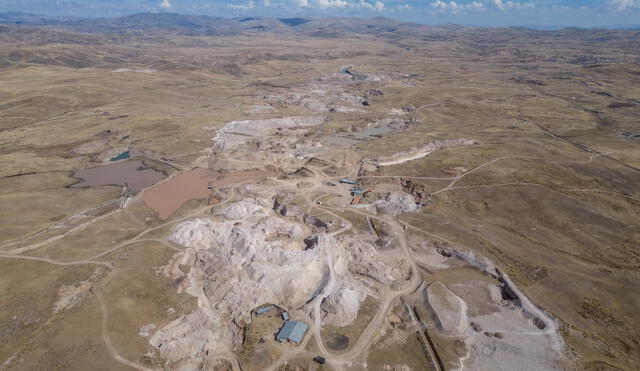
column 532, row 13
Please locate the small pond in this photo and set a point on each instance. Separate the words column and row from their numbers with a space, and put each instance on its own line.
column 135, row 175
column 123, row 156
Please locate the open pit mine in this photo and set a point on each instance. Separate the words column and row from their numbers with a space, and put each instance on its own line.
column 277, row 251
column 194, row 193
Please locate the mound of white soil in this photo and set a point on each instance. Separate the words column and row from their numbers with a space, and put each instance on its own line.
column 422, row 151
column 251, row 255
column 236, row 134
column 450, row 310
column 396, row 203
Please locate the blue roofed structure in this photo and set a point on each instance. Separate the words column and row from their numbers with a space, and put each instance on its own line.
column 348, row 181
column 292, row 331
column 264, row 309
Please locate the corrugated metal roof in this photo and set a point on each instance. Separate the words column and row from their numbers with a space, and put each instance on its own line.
column 264, row 309
column 285, row 331
column 298, row 331
column 348, row 181
column 293, row 331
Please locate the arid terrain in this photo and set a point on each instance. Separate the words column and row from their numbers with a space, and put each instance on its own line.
column 175, row 189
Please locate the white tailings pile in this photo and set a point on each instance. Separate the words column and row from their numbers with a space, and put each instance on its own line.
column 236, row 134
column 396, row 203
column 251, row 255
column 366, row 261
column 500, row 328
column 144, row 70
column 245, row 208
column 341, row 307
column 334, row 93
column 415, row 153
column 451, row 310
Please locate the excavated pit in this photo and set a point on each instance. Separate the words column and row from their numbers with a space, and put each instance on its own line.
column 265, row 246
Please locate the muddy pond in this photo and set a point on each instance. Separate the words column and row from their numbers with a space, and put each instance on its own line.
column 135, row 175
column 168, row 196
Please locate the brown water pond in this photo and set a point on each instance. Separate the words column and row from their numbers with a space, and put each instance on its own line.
column 134, row 174
column 168, row 196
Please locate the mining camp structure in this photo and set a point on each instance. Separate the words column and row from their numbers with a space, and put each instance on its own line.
column 348, row 181
column 293, row 331
column 264, row 309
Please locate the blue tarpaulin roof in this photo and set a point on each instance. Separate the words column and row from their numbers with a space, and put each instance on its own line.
column 348, row 181
column 292, row 331
column 264, row 309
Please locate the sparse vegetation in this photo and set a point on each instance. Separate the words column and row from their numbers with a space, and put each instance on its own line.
column 548, row 194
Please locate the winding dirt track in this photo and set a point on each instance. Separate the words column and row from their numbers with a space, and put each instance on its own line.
column 373, row 328
column 107, row 340
column 455, row 179
column 103, row 306
column 62, row 223
column 55, row 262
column 105, row 313
column 389, row 296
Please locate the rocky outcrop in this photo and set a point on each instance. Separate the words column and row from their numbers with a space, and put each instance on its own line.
column 341, row 307
column 255, row 252
column 396, row 203
column 295, row 213
column 418, row 191
column 366, row 261
column 235, row 134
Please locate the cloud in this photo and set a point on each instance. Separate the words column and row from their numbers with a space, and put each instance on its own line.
column 165, row 4
column 249, row 5
column 378, row 6
column 403, row 7
column 623, row 4
column 454, row 7
column 325, row 4
column 508, row 5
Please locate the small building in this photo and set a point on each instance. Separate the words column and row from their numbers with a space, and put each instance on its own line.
column 285, row 316
column 348, row 181
column 319, row 360
column 292, row 331
column 264, row 310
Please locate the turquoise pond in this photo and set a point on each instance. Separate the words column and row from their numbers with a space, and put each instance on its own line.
column 122, row 156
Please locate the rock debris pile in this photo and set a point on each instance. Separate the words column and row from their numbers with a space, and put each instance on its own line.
column 422, row 151
column 258, row 251
column 333, row 93
column 236, row 134
column 396, row 203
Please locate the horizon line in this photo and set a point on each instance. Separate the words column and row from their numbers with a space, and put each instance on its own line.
column 535, row 27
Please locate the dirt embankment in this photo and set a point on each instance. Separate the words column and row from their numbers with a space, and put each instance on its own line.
column 422, row 151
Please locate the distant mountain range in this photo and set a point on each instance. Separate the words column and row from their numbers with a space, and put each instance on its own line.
column 80, row 35
column 205, row 25
column 219, row 26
